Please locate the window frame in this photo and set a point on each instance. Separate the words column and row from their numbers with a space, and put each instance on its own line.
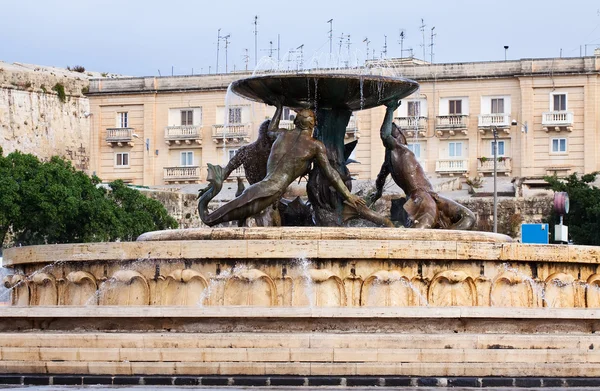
column 414, row 104
column 500, row 142
column 116, row 160
column 181, row 158
column 122, row 118
column 229, row 115
column 453, row 102
column 454, row 144
column 498, row 100
column 566, row 101
column 189, row 116
column 558, row 151
column 411, row 147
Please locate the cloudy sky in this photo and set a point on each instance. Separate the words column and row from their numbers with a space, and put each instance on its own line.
column 141, row 37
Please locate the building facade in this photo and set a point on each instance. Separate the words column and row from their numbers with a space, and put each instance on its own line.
column 164, row 130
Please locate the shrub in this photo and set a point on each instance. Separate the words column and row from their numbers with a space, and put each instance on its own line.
column 77, row 68
column 60, row 91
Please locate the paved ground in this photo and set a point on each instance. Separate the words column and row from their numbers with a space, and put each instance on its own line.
column 140, row 388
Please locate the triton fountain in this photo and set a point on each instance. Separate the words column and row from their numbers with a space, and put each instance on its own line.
column 291, row 304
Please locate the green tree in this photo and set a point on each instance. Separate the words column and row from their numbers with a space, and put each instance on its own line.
column 52, row 202
column 583, row 218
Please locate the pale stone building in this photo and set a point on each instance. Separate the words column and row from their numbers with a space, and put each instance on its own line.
column 164, row 130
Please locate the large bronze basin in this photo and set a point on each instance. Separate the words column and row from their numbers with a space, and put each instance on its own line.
column 326, row 91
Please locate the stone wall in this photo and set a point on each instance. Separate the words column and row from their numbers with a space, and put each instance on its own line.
column 512, row 212
column 34, row 119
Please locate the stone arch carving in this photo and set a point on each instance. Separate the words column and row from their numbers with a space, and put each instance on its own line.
column 320, row 288
column 184, row 287
column 592, row 291
column 43, row 289
column 386, row 288
column 80, row 289
column 511, row 290
column 20, row 289
column 250, row 287
column 125, row 287
column 560, row 291
column 452, row 288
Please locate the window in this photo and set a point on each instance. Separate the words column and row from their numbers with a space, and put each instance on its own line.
column 122, row 120
column 415, row 148
column 187, row 158
column 559, row 102
column 414, row 109
column 232, row 153
column 559, row 145
column 455, row 107
column 287, row 114
column 455, row 149
column 122, row 159
column 235, row 115
column 187, row 117
column 500, row 148
column 497, row 106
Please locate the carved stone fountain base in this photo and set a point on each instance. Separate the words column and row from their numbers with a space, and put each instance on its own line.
column 303, row 302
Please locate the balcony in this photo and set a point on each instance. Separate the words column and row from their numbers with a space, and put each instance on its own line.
column 413, row 126
column 187, row 174
column 286, row 124
column 352, row 129
column 119, row 136
column 451, row 124
column 486, row 165
column 233, row 133
column 557, row 120
column 488, row 121
column 186, row 134
column 451, row 166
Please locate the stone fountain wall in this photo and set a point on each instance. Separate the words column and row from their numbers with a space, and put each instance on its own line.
column 309, row 267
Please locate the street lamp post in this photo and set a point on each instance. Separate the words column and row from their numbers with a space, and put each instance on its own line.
column 495, row 133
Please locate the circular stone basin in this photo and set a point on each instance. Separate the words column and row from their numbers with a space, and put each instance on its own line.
column 328, row 91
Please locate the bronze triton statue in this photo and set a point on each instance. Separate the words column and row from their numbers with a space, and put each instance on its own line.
column 254, row 157
column 291, row 155
column 425, row 207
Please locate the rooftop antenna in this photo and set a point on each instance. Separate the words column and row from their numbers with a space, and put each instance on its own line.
column 366, row 40
column 226, row 39
column 422, row 27
column 218, row 42
column 278, row 48
column 402, row 36
column 246, row 57
column 431, row 45
column 300, row 62
column 270, row 50
column 384, row 46
column 330, row 21
column 255, row 40
column 340, row 49
column 348, row 43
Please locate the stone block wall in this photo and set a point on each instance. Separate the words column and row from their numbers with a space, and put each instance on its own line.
column 33, row 119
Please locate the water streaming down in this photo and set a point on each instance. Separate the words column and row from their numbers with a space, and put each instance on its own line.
column 303, row 267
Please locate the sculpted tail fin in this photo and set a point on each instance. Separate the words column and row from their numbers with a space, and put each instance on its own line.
column 215, row 180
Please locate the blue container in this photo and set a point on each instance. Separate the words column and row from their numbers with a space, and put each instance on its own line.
column 535, row 233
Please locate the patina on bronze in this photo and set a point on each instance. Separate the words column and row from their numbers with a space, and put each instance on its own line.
column 333, row 97
column 425, row 207
column 291, row 154
column 254, row 157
